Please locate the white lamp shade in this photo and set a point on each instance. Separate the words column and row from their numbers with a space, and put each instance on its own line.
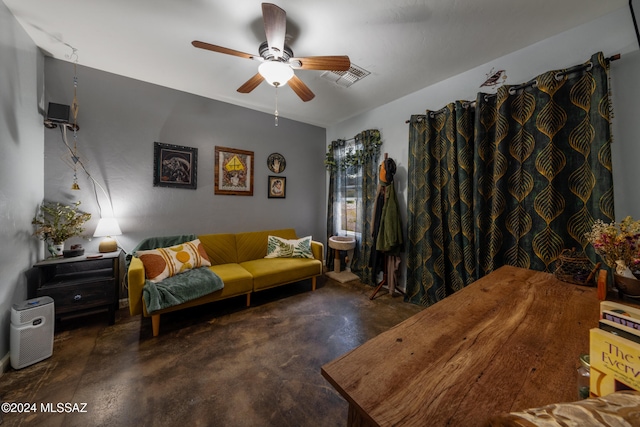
column 107, row 227
column 275, row 72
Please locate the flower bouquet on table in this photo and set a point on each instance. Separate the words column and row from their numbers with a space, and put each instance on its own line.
column 56, row 223
column 618, row 244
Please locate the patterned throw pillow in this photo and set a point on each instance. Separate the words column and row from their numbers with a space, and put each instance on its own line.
column 278, row 247
column 166, row 262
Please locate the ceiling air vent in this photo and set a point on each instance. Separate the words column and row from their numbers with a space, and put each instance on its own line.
column 346, row 78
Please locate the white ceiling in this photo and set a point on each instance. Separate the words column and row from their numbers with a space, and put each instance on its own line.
column 405, row 44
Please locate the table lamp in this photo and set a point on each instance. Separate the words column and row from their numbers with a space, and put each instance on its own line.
column 107, row 227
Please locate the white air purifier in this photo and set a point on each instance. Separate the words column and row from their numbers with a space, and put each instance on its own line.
column 32, row 327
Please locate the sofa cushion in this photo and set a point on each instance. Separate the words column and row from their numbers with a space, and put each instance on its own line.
column 269, row 272
column 162, row 263
column 253, row 245
column 172, row 291
column 278, row 247
column 221, row 248
column 236, row 279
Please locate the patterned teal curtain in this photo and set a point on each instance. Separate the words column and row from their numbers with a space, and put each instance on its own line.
column 353, row 169
column 440, row 203
column 541, row 175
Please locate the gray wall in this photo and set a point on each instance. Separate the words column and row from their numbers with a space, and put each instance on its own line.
column 21, row 164
column 625, row 87
column 121, row 118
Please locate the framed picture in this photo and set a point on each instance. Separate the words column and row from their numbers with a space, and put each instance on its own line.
column 175, row 166
column 277, row 187
column 276, row 163
column 233, row 171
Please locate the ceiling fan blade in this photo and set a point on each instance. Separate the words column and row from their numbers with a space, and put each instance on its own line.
column 220, row 49
column 275, row 27
column 301, row 89
column 330, row 63
column 251, row 84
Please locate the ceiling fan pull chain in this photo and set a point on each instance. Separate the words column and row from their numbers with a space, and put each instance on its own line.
column 276, row 113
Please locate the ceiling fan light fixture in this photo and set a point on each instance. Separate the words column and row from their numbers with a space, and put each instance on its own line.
column 275, row 73
column 278, row 62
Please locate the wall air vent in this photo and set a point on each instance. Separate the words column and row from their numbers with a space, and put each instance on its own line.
column 346, row 78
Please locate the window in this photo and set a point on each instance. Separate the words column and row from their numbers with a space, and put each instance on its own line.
column 348, row 205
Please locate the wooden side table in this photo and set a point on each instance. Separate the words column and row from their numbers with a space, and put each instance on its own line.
column 81, row 285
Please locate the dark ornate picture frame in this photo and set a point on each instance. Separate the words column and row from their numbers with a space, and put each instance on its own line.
column 276, row 163
column 175, row 166
column 277, row 188
column 233, row 171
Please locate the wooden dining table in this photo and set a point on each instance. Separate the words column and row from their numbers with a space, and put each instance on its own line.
column 507, row 342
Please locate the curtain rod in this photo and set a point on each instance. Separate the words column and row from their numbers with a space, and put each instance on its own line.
column 346, row 140
column 514, row 89
column 355, row 137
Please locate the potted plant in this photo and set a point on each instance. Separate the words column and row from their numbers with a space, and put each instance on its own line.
column 56, row 223
column 618, row 244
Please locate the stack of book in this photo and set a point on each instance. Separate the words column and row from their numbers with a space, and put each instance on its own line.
column 615, row 350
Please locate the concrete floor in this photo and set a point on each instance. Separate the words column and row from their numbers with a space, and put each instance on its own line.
column 216, row 365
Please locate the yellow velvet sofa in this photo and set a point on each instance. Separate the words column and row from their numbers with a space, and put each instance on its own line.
column 239, row 260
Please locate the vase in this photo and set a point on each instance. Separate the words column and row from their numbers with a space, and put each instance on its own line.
column 56, row 250
column 628, row 286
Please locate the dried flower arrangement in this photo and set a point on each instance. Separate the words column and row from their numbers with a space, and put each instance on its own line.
column 618, row 244
column 56, row 222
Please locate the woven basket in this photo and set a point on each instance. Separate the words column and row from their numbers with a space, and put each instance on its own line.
column 575, row 267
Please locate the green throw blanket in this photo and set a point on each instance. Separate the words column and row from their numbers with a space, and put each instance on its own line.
column 180, row 288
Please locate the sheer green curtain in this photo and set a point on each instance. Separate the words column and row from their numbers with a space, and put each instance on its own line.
column 332, row 202
column 540, row 161
column 353, row 178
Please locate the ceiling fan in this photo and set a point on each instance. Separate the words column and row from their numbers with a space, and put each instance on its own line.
column 277, row 60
